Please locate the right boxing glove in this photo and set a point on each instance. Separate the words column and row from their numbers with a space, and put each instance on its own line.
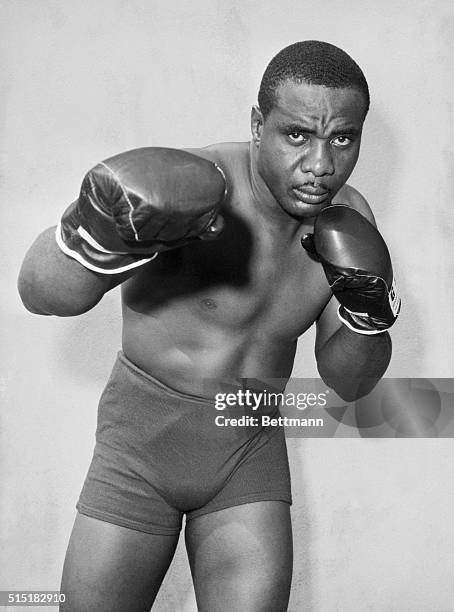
column 358, row 268
column 133, row 205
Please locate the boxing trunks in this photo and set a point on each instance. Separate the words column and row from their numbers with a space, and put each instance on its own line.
column 161, row 453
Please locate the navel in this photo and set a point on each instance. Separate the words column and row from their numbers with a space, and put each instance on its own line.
column 209, row 304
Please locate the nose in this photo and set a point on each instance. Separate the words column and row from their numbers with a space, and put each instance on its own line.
column 318, row 159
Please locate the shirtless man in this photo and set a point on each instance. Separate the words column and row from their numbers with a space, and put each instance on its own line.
column 226, row 299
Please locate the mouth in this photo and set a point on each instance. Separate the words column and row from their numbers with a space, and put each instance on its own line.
column 310, row 194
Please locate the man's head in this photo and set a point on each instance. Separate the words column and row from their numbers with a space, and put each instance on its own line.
column 313, row 100
column 313, row 62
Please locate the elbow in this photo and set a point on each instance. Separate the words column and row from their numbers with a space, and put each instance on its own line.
column 25, row 290
column 350, row 387
column 39, row 302
column 352, row 391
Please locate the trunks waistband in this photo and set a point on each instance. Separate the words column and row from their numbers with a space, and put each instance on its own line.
column 158, row 384
column 225, row 388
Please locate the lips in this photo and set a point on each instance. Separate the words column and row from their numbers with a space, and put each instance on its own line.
column 310, row 194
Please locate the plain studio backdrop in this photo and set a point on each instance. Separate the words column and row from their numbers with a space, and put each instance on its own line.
column 84, row 80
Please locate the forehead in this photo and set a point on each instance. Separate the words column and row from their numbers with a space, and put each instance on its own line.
column 302, row 101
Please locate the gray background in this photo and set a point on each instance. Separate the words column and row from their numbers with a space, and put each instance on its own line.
column 84, row 80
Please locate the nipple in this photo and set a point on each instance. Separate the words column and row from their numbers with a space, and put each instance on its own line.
column 209, row 304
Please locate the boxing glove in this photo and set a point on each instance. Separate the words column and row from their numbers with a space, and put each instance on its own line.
column 138, row 203
column 358, row 268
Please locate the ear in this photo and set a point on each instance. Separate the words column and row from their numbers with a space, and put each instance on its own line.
column 257, row 122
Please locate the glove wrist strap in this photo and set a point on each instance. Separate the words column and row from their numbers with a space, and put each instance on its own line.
column 82, row 247
column 362, row 323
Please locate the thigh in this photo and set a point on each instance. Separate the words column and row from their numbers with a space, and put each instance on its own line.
column 109, row 568
column 241, row 558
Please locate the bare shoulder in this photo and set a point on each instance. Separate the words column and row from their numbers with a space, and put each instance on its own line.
column 209, row 152
column 229, row 153
column 231, row 157
column 353, row 198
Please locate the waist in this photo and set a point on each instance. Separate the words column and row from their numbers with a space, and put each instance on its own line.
column 246, row 394
column 204, row 370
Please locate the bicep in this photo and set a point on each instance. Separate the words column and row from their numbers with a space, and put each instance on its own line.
column 50, row 282
column 327, row 324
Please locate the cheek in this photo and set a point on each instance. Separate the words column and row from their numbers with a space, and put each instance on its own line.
column 279, row 172
column 271, row 162
column 347, row 161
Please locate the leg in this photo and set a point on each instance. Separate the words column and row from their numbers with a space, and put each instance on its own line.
column 109, row 568
column 241, row 558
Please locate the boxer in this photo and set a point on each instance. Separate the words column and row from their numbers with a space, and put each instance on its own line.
column 225, row 256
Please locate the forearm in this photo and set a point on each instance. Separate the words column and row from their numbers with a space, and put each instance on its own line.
column 51, row 283
column 352, row 363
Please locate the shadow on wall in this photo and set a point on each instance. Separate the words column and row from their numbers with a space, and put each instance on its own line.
column 88, row 344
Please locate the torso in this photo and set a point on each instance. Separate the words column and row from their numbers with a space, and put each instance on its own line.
column 227, row 309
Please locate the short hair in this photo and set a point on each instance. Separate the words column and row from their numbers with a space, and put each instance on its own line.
column 313, row 62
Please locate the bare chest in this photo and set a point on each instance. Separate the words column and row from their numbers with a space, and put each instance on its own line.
column 278, row 290
column 244, row 281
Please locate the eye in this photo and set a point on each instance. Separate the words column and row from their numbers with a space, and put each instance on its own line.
column 297, row 137
column 341, row 141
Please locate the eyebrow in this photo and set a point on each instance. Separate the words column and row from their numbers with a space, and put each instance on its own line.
column 300, row 127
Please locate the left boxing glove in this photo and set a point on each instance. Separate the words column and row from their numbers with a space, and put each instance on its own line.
column 358, row 267
column 138, row 203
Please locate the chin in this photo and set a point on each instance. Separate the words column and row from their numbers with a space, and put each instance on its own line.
column 302, row 210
